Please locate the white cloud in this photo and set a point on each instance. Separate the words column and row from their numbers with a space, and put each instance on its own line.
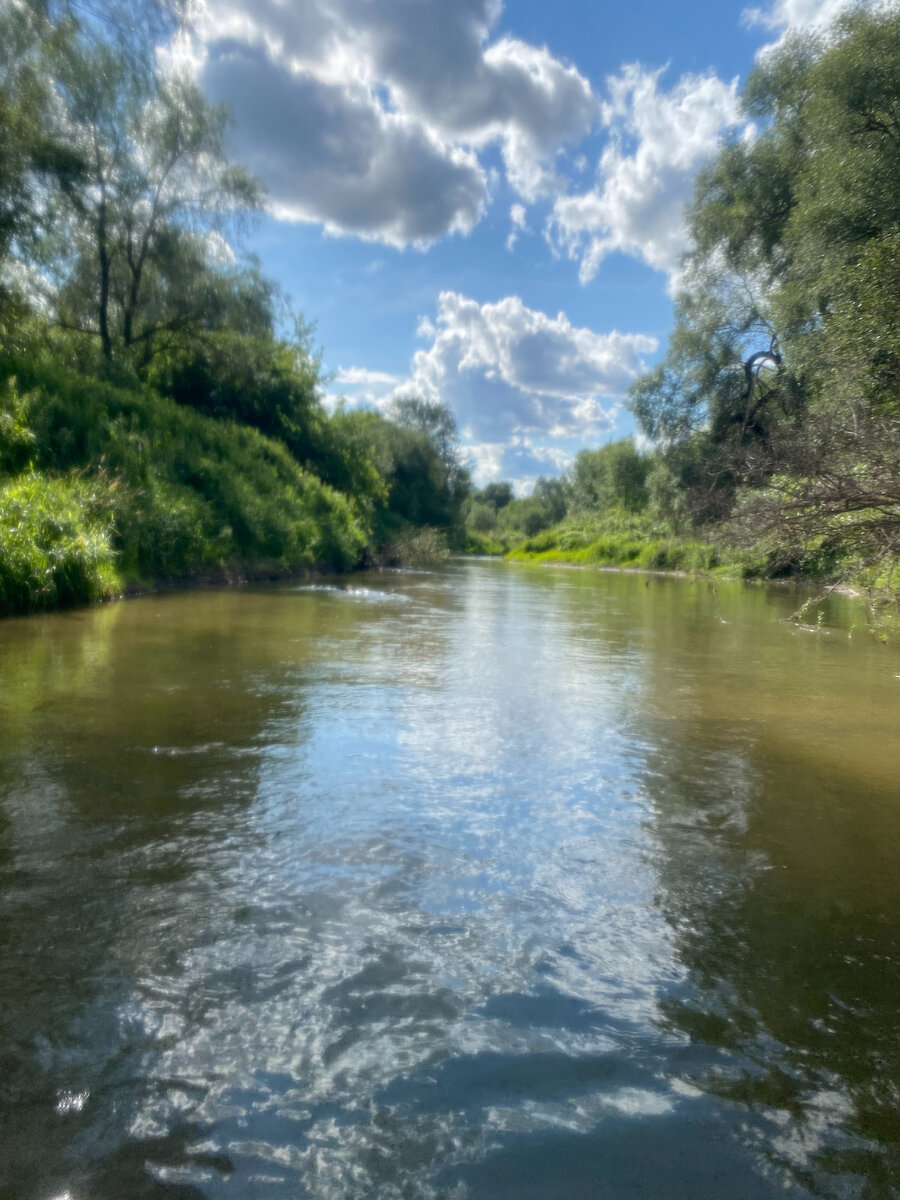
column 517, row 214
column 361, row 377
column 369, row 117
column 360, row 387
column 658, row 141
column 527, row 389
column 332, row 154
column 520, row 461
column 803, row 16
column 508, row 371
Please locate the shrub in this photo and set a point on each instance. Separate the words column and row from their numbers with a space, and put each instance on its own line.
column 417, row 548
column 55, row 545
column 184, row 491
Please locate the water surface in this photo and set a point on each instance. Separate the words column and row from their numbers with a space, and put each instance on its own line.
column 476, row 883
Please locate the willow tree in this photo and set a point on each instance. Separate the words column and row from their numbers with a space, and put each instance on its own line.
column 37, row 165
column 146, row 252
column 779, row 392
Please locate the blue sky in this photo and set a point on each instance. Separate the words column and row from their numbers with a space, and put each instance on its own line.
column 482, row 202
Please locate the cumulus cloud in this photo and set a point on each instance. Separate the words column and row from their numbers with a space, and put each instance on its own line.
column 803, row 16
column 369, row 118
column 508, row 371
column 518, row 223
column 658, row 140
column 527, row 389
column 332, row 155
column 520, row 461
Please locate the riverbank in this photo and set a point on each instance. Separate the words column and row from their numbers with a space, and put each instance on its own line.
column 581, row 549
column 573, row 547
column 848, row 591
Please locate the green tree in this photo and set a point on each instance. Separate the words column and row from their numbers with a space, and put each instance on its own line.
column 499, row 494
column 481, row 517
column 553, row 496
column 613, row 476
column 428, row 483
column 137, row 259
column 778, row 391
column 524, row 517
column 37, row 166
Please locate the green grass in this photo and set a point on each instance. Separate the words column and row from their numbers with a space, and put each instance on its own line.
column 620, row 539
column 103, row 484
column 56, row 548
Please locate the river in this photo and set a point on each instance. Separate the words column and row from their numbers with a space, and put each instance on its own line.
column 472, row 883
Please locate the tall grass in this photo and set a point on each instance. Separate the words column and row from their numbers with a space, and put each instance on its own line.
column 621, row 539
column 56, row 549
column 152, row 490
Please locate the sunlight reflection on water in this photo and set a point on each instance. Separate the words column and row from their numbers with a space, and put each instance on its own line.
column 501, row 891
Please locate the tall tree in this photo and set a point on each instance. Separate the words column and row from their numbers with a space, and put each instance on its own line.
column 158, row 194
column 781, row 374
column 36, row 165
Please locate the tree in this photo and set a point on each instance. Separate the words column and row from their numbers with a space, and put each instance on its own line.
column 428, row 482
column 36, row 165
column 553, row 496
column 481, row 517
column 499, row 494
column 779, row 389
column 613, row 476
column 157, row 194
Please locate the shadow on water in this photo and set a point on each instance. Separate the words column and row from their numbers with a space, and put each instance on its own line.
column 776, row 828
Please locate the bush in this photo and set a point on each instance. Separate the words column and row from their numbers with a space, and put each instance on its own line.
column 618, row 538
column 55, row 545
column 178, row 491
column 416, row 548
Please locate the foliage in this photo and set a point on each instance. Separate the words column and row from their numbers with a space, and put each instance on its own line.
column 524, row 517
column 494, row 511
column 401, row 471
column 55, row 544
column 37, row 167
column 186, row 491
column 615, row 474
column 428, row 481
column 619, row 538
column 497, row 495
column 481, row 517
column 156, row 192
column 425, row 547
column 254, row 379
column 777, row 403
column 16, row 439
column 554, row 496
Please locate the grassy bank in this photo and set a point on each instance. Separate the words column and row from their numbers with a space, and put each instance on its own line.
column 622, row 541
column 636, row 544
column 106, row 487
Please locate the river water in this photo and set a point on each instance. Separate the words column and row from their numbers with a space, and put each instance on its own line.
column 475, row 883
